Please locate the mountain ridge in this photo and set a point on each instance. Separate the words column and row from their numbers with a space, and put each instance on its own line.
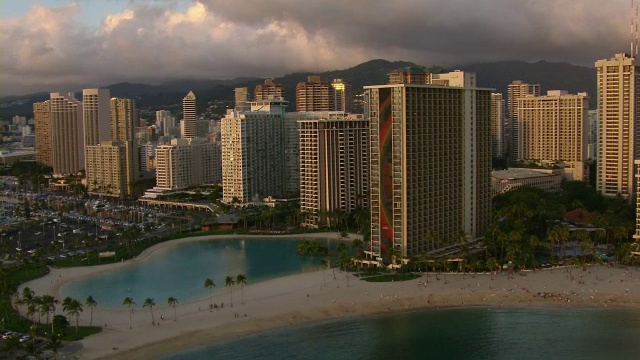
column 496, row 75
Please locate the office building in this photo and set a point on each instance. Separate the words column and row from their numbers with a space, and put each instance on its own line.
column 165, row 121
column 497, row 126
column 96, row 116
column 554, row 128
column 188, row 125
column 67, row 134
column 516, row 90
column 110, row 170
column 42, row 124
column 430, row 166
column 618, row 144
column 334, row 165
column 185, row 163
column 253, row 147
column 270, row 90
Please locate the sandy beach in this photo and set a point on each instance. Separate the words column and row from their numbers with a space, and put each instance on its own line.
column 317, row 296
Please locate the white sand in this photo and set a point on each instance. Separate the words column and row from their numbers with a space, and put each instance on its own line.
column 303, row 298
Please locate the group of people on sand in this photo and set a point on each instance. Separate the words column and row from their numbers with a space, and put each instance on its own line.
column 215, row 306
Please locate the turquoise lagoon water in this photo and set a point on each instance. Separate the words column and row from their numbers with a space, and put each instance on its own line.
column 471, row 333
column 180, row 270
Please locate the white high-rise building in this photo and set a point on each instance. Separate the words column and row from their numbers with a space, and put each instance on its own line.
column 67, row 134
column 96, row 116
column 253, row 149
column 186, row 163
column 188, row 125
column 618, row 106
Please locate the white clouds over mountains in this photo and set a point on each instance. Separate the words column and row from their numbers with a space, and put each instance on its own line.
column 52, row 48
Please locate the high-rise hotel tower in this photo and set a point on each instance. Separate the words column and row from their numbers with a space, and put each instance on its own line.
column 619, row 141
column 430, row 165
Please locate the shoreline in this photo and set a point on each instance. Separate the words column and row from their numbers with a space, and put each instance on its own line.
column 316, row 297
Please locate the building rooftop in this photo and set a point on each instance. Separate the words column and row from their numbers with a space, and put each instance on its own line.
column 521, row 173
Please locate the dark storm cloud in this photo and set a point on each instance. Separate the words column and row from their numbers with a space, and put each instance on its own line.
column 51, row 49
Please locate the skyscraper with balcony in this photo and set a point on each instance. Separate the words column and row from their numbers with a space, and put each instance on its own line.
column 619, row 140
column 109, row 170
column 67, row 134
column 430, row 166
column 313, row 95
column 334, row 165
column 554, row 128
column 123, row 119
column 42, row 126
column 241, row 95
column 516, row 90
column 189, row 127
column 96, row 116
column 268, row 91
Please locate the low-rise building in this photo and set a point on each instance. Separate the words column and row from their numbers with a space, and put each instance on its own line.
column 504, row 181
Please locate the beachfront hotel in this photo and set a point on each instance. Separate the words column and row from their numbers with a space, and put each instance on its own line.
column 619, row 127
column 554, row 127
column 430, row 165
column 334, row 164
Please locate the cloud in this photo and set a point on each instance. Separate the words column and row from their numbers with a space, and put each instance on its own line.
column 52, row 49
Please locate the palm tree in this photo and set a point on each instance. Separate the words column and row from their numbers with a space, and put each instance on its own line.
column 241, row 280
column 229, row 282
column 74, row 308
column 150, row 304
column 208, row 283
column 129, row 302
column 48, row 305
column 91, row 303
column 173, row 302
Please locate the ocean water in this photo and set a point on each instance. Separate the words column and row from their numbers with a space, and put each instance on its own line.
column 180, row 271
column 465, row 333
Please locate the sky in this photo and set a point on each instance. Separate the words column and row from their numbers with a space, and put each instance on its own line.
column 58, row 45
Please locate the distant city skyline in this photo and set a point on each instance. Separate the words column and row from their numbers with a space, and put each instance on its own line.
column 58, row 45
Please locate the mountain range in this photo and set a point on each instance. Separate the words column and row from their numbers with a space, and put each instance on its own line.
column 497, row 75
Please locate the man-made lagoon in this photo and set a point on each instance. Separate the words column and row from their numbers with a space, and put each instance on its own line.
column 180, row 270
